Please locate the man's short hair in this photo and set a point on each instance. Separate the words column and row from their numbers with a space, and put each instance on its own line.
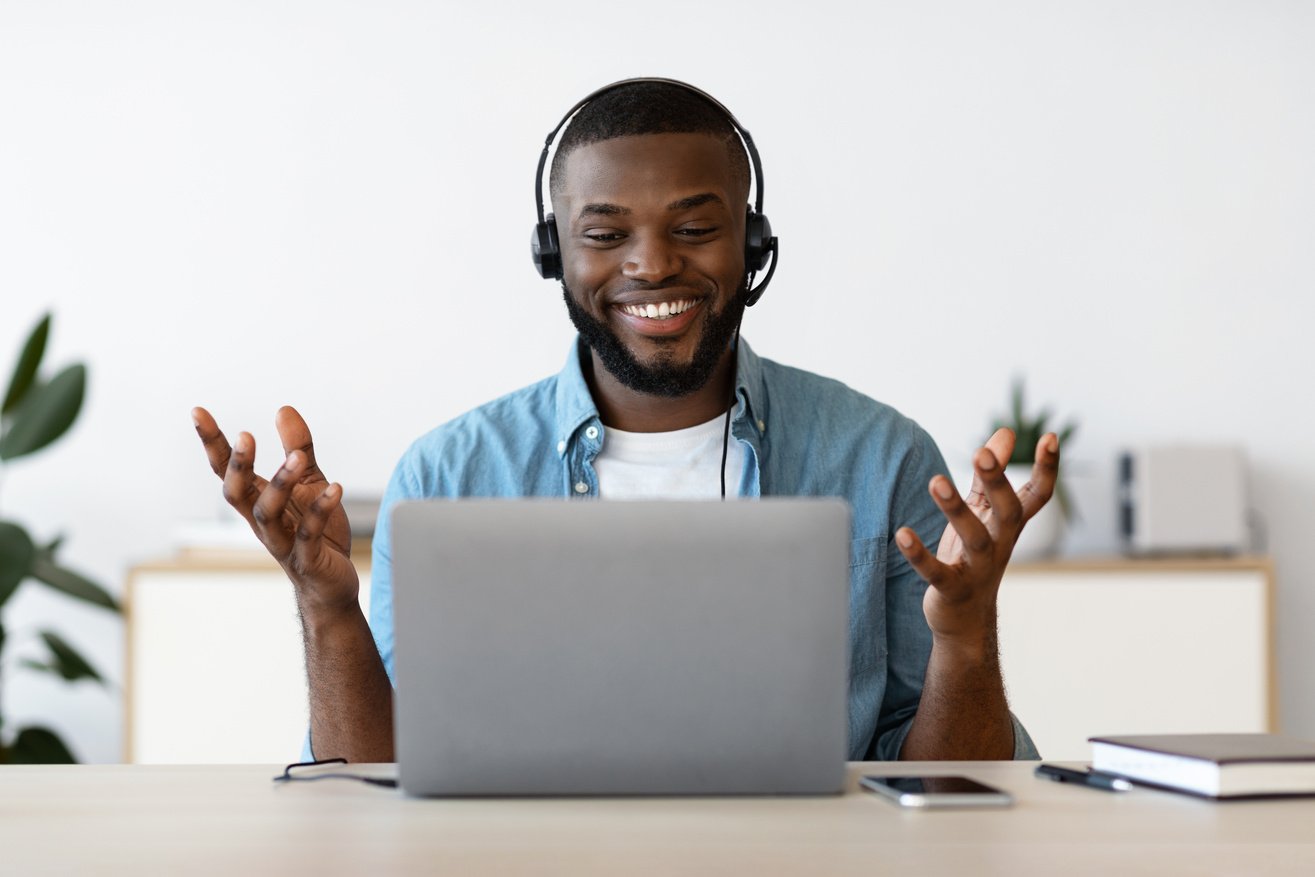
column 648, row 108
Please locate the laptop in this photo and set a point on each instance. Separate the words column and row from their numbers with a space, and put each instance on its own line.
column 550, row 647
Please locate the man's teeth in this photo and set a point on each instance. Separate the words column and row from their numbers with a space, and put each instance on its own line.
column 664, row 311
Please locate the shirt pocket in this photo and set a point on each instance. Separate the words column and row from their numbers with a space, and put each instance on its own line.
column 866, row 552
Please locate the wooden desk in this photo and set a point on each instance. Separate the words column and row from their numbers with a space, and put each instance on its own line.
column 137, row 819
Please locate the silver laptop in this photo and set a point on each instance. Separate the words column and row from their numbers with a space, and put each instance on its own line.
column 547, row 647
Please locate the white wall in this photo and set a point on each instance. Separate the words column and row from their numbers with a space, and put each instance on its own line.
column 329, row 204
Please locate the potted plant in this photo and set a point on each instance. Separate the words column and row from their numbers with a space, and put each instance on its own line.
column 35, row 413
column 1043, row 534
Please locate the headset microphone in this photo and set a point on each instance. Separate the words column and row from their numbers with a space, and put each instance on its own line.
column 760, row 245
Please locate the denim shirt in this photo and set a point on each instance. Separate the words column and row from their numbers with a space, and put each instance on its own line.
column 802, row 434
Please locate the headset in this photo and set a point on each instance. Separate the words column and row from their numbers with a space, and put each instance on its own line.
column 760, row 245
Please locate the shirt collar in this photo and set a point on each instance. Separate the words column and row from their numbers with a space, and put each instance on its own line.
column 749, row 389
column 575, row 405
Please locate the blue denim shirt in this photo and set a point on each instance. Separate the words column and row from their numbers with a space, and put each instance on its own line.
column 803, row 435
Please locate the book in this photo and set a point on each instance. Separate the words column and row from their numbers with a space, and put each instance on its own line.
column 1212, row 765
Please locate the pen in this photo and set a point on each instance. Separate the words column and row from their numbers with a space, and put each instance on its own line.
column 1091, row 778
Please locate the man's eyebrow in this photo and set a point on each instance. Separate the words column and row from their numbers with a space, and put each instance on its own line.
column 695, row 201
column 604, row 210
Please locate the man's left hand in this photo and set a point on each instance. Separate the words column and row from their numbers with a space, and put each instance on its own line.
column 965, row 574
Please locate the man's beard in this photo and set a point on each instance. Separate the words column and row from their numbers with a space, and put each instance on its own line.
column 662, row 377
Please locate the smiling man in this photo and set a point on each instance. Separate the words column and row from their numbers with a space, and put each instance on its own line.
column 650, row 184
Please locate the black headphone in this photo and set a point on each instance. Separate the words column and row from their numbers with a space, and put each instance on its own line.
column 759, row 243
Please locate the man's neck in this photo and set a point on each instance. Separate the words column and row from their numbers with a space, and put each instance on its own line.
column 623, row 408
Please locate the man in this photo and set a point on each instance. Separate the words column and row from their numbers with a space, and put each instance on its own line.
column 649, row 181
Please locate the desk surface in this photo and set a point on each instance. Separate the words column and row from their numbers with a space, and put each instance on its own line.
column 126, row 819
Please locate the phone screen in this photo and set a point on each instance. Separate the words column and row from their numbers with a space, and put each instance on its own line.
column 942, row 791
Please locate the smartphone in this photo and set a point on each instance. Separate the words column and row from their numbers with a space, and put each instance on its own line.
column 948, row 791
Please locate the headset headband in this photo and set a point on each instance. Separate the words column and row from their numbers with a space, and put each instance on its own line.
column 730, row 117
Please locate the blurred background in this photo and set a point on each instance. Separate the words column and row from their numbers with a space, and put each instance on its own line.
column 328, row 204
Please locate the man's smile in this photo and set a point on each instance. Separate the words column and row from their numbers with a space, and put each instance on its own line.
column 661, row 311
column 670, row 317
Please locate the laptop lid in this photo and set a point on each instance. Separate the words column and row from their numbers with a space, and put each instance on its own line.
column 547, row 647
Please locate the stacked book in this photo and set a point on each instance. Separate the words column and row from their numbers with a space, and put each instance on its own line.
column 1213, row 765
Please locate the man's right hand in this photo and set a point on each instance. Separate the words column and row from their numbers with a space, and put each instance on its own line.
column 297, row 514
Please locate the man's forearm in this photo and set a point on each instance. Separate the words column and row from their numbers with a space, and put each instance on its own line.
column 351, row 699
column 963, row 715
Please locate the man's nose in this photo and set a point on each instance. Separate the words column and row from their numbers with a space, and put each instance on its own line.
column 651, row 258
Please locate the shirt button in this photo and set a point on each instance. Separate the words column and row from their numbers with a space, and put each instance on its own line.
column 561, row 447
column 592, row 432
column 581, row 487
column 762, row 426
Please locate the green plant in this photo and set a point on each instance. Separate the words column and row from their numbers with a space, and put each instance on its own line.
column 35, row 413
column 1028, row 431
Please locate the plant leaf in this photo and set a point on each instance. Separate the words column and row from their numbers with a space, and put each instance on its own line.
column 66, row 660
column 46, row 571
column 39, row 746
column 46, row 413
column 25, row 372
column 16, row 555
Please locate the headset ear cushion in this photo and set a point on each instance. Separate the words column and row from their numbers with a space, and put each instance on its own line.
column 757, row 241
column 545, row 251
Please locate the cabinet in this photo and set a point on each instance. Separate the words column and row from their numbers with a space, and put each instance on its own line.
column 214, row 668
column 1138, row 647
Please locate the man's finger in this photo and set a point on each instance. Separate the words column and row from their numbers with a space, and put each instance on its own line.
column 972, row 532
column 935, row 573
column 295, row 435
column 268, row 510
column 1006, row 510
column 1045, row 473
column 1001, row 443
column 309, row 536
column 241, row 485
column 216, row 446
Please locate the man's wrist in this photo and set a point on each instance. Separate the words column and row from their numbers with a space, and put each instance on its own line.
column 320, row 620
column 967, row 651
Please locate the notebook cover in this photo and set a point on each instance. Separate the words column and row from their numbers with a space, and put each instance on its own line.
column 1220, row 749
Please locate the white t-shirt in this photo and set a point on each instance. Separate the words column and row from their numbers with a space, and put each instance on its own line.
column 684, row 464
